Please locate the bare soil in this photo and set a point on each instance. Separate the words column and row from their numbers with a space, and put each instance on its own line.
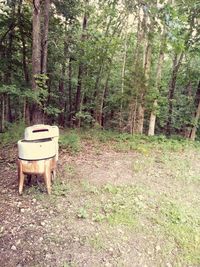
column 41, row 230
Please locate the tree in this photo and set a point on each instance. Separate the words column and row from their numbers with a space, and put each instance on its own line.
column 39, row 53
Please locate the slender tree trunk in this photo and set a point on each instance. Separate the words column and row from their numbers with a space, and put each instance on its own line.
column 136, row 109
column 152, row 121
column 141, row 107
column 197, row 113
column 62, row 91
column 3, row 113
column 39, row 50
column 36, row 58
column 9, row 58
column 26, row 111
column 97, row 93
column 24, row 50
column 81, row 65
column 104, row 93
column 194, row 129
column 172, row 85
column 44, row 40
column 122, row 79
column 70, row 90
column 133, row 107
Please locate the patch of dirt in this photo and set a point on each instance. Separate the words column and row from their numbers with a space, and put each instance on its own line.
column 148, row 171
column 38, row 230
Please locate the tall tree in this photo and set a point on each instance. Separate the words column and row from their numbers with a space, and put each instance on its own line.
column 39, row 51
column 36, row 58
column 81, row 68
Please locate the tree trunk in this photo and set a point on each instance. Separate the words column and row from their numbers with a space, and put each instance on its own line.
column 24, row 50
column 122, row 79
column 197, row 113
column 26, row 111
column 9, row 58
column 44, row 40
column 132, row 117
column 3, row 113
column 62, row 91
column 172, row 85
column 81, row 65
column 152, row 121
column 104, row 93
column 36, row 58
column 194, row 129
column 70, row 90
column 136, row 108
column 141, row 106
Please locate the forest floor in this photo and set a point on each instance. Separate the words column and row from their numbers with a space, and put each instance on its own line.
column 113, row 204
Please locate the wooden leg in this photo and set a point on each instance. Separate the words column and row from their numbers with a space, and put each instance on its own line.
column 20, row 177
column 47, row 178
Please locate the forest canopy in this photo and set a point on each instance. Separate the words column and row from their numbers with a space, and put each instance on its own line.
column 128, row 65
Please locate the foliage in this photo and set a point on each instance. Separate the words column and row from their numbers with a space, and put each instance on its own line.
column 111, row 56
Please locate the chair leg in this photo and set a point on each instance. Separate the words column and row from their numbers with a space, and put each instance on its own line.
column 21, row 177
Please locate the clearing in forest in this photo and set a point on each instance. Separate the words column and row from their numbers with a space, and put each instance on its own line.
column 118, row 200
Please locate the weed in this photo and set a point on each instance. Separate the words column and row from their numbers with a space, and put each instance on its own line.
column 70, row 170
column 98, row 216
column 111, row 188
column 96, row 242
column 60, row 188
column 89, row 188
column 82, row 213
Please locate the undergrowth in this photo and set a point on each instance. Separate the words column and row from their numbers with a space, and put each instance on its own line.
column 13, row 133
column 70, row 140
column 140, row 143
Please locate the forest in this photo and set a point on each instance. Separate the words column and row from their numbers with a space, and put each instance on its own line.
column 131, row 66
column 112, row 177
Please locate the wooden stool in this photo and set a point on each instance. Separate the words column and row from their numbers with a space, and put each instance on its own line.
column 45, row 167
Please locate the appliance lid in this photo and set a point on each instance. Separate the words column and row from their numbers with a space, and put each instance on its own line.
column 40, row 131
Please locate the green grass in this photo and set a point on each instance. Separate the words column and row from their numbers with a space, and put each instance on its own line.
column 140, row 208
column 13, row 133
column 143, row 144
column 70, row 141
column 183, row 225
column 60, row 188
column 115, row 205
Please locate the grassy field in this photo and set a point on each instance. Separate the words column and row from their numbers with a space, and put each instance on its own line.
column 119, row 200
